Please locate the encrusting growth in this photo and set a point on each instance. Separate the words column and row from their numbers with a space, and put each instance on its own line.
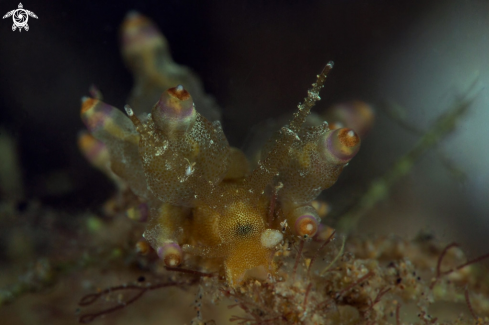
column 203, row 200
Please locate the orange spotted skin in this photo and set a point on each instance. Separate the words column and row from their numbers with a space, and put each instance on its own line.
column 207, row 209
column 233, row 231
column 343, row 144
column 348, row 138
column 180, row 94
column 308, row 227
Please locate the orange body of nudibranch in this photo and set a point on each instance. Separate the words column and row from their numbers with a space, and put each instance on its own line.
column 203, row 199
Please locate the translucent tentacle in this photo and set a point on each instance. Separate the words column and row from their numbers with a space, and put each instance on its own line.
column 109, row 125
column 180, row 150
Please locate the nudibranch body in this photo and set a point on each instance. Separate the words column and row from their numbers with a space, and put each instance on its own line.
column 203, row 199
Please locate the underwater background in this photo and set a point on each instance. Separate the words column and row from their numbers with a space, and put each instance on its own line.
column 411, row 60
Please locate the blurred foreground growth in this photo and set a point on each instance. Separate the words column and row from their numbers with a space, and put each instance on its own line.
column 249, row 228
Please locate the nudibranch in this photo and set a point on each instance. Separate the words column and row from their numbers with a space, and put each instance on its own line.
column 204, row 201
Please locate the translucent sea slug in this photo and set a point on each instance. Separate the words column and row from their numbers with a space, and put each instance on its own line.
column 207, row 209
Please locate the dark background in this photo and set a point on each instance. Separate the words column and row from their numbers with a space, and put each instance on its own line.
column 256, row 57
